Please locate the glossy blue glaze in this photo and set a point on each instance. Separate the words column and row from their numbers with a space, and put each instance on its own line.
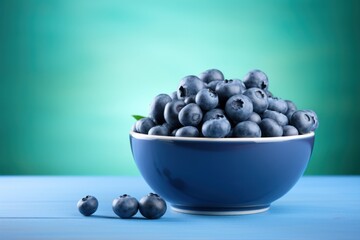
column 221, row 175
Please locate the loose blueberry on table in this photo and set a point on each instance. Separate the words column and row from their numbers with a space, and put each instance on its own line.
column 152, row 206
column 87, row 205
column 125, row 206
column 211, row 106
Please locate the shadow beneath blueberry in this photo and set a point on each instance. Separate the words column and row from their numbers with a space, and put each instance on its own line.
column 135, row 218
column 103, row 216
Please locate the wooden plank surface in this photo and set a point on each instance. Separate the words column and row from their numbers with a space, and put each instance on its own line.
column 45, row 208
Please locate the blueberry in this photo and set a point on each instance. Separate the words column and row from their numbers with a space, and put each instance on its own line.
column 230, row 134
column 243, row 87
column 227, row 89
column 188, row 131
column 190, row 115
column 211, row 75
column 87, row 205
column 256, row 78
column 160, row 130
column 217, row 127
column 212, row 85
column 303, row 121
column 239, row 108
column 270, row 128
column 173, row 132
column 213, row 113
column 190, row 99
column 289, row 130
column 189, row 85
column 174, row 96
column 125, row 206
column 258, row 98
column 207, row 99
column 247, row 129
column 171, row 112
column 157, row 108
column 315, row 119
column 152, row 206
column 133, row 128
column 291, row 108
column 168, row 126
column 254, row 117
column 278, row 105
column 268, row 93
column 280, row 118
column 143, row 125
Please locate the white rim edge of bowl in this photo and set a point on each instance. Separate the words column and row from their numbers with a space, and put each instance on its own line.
column 203, row 139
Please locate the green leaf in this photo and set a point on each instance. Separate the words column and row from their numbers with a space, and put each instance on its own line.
column 137, row 117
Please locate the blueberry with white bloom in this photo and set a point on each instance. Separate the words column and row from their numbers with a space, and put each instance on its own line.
column 246, row 129
column 144, row 125
column 289, row 130
column 171, row 112
column 227, row 89
column 207, row 99
column 239, row 108
column 157, row 108
column 211, row 75
column 256, row 78
column 87, row 205
column 280, row 118
column 303, row 121
column 190, row 115
column 270, row 128
column 187, row 131
column 217, row 127
column 189, row 85
column 125, row 206
column 277, row 104
column 258, row 98
column 152, row 206
column 212, row 114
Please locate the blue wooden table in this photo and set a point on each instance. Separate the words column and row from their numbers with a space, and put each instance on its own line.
column 45, row 208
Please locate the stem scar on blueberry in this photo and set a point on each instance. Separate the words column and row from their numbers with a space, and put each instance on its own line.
column 260, row 94
column 153, row 194
column 237, row 104
column 263, row 85
column 182, row 91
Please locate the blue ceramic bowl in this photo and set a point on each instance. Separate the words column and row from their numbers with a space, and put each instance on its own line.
column 221, row 176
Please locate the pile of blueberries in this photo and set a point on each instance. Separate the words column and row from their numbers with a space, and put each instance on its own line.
column 151, row 206
column 209, row 105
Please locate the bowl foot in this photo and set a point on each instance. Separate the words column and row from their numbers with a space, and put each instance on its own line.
column 220, row 211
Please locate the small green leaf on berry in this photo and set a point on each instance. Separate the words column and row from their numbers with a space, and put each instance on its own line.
column 137, row 117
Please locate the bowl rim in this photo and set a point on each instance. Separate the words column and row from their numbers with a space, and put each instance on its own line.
column 204, row 139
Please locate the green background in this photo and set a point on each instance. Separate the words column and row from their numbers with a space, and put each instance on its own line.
column 72, row 73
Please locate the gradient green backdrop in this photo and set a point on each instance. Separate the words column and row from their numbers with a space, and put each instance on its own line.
column 72, row 73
